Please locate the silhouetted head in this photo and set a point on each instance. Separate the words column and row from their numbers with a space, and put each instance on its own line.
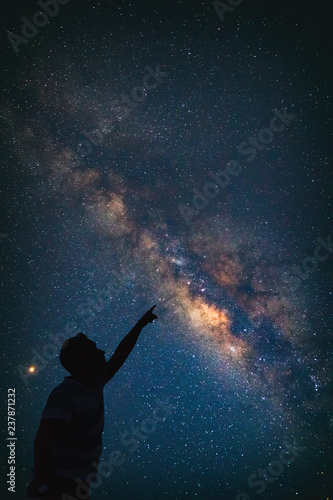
column 80, row 356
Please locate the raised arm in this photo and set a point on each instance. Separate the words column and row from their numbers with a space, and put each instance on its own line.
column 127, row 344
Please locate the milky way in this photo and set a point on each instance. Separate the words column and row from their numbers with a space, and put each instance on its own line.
column 114, row 118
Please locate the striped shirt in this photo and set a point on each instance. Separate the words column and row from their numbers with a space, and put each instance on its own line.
column 79, row 444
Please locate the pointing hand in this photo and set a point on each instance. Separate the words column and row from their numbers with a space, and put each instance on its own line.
column 148, row 317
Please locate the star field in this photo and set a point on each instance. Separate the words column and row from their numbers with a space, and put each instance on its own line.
column 154, row 153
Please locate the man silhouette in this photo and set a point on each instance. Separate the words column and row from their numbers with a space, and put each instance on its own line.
column 69, row 438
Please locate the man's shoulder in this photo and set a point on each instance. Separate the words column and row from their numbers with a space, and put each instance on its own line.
column 71, row 387
column 67, row 386
column 59, row 404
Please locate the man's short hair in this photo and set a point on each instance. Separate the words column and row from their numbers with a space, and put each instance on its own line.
column 70, row 352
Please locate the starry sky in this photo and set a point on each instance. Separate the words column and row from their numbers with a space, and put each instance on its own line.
column 179, row 154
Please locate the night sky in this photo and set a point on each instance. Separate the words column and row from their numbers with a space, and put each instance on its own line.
column 177, row 154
